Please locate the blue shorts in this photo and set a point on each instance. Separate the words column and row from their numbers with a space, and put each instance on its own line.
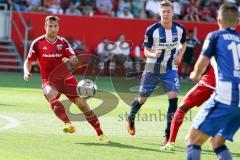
column 216, row 118
column 168, row 80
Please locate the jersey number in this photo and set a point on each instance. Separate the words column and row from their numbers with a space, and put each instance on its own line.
column 235, row 48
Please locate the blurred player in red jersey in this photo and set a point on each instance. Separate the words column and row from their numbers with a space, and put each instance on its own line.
column 54, row 55
column 195, row 97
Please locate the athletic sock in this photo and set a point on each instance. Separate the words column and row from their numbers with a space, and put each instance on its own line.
column 223, row 153
column 93, row 120
column 59, row 110
column 176, row 123
column 171, row 110
column 135, row 107
column 193, row 152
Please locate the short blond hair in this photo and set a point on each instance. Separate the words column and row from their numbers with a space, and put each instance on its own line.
column 165, row 3
column 229, row 14
column 51, row 18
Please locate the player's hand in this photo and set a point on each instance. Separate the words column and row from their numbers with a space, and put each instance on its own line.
column 65, row 60
column 177, row 59
column 194, row 76
column 158, row 52
column 27, row 76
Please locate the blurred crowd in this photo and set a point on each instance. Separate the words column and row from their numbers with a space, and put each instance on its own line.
column 120, row 53
column 192, row 10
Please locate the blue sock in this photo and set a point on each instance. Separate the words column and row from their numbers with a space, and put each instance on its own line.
column 223, row 153
column 171, row 110
column 134, row 109
column 193, row 152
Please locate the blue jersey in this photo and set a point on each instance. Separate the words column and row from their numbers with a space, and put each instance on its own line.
column 168, row 40
column 224, row 45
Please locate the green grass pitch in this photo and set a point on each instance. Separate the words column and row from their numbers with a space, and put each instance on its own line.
column 36, row 134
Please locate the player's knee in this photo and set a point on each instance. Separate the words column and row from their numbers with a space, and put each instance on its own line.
column 213, row 143
column 217, row 142
column 172, row 95
column 50, row 93
column 195, row 137
column 142, row 100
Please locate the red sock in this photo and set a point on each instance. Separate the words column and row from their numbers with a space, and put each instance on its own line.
column 93, row 120
column 176, row 123
column 59, row 110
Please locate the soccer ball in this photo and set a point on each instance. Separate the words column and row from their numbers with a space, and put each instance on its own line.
column 86, row 88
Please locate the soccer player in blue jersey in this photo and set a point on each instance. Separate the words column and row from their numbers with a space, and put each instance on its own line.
column 164, row 48
column 220, row 117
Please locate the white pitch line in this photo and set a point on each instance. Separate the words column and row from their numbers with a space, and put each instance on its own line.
column 12, row 123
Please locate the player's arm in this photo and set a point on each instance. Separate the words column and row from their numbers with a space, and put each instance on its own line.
column 27, row 66
column 72, row 60
column 27, row 69
column 180, row 53
column 148, row 53
column 199, row 68
column 182, row 48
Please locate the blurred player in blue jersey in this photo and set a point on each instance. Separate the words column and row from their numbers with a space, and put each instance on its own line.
column 220, row 117
column 164, row 48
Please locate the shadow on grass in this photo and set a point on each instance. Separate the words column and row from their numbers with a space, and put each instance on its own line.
column 183, row 149
column 2, row 104
column 120, row 145
column 205, row 151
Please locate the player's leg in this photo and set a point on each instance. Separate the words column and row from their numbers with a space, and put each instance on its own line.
column 218, row 142
column 200, row 131
column 52, row 95
column 135, row 107
column 89, row 114
column 70, row 92
column 219, row 147
column 172, row 101
column 148, row 84
column 207, row 123
column 170, row 84
column 195, row 97
column 91, row 118
column 195, row 140
column 175, row 125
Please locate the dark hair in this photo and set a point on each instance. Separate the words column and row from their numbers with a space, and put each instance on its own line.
column 51, row 18
column 190, row 31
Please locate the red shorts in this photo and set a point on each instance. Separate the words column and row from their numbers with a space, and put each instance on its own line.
column 67, row 87
column 197, row 95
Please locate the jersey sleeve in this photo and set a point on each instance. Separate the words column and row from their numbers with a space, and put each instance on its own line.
column 148, row 39
column 208, row 48
column 184, row 36
column 32, row 52
column 68, row 49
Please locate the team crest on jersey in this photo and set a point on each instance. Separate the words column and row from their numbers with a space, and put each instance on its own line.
column 59, row 47
column 174, row 37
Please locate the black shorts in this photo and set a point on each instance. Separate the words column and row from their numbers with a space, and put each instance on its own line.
column 188, row 56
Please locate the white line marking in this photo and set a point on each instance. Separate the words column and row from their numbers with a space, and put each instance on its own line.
column 12, row 123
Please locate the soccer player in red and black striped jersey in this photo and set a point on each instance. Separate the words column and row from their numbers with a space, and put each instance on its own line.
column 195, row 97
column 54, row 54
